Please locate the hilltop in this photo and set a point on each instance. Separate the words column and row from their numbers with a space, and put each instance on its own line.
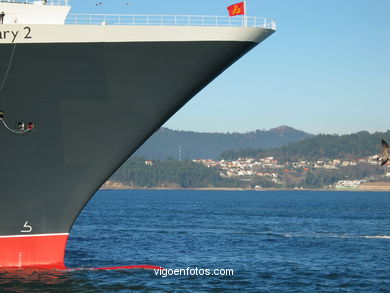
column 168, row 143
column 322, row 146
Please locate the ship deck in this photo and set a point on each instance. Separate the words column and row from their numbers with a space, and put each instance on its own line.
column 144, row 20
column 171, row 20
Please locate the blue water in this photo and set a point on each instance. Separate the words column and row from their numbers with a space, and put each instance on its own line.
column 276, row 241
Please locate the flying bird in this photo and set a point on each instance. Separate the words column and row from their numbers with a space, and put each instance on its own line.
column 98, row 3
column 385, row 153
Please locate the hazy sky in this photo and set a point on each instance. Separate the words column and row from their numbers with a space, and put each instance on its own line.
column 325, row 70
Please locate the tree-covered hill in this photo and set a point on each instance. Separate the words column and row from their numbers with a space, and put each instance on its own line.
column 357, row 145
column 171, row 173
column 187, row 145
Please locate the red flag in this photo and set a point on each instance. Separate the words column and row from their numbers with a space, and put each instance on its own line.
column 236, row 9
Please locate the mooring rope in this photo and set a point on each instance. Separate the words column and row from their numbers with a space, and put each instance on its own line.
column 8, row 68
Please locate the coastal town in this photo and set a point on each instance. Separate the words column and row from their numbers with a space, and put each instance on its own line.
column 326, row 162
column 270, row 169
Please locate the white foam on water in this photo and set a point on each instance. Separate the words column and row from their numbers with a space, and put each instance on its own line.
column 377, row 237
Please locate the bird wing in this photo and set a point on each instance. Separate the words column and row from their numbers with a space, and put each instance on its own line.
column 385, row 148
column 385, row 152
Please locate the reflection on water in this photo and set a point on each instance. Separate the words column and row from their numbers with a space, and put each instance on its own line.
column 30, row 280
column 18, row 280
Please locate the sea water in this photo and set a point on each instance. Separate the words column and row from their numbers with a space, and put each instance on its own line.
column 261, row 241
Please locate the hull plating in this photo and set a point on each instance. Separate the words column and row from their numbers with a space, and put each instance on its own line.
column 93, row 105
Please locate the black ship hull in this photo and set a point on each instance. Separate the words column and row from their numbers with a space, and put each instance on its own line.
column 92, row 106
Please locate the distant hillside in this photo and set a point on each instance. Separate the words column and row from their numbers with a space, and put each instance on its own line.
column 167, row 143
column 357, row 145
column 171, row 174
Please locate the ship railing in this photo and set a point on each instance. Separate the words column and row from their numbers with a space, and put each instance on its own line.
column 170, row 20
column 40, row 2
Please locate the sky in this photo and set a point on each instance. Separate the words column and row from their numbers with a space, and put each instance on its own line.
column 325, row 70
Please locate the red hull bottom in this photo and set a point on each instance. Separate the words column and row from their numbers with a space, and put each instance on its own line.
column 39, row 251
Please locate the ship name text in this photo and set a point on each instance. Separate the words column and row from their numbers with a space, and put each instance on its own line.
column 13, row 35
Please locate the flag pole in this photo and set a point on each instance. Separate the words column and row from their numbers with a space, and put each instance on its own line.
column 245, row 15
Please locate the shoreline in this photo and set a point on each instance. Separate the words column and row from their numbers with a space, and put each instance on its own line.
column 372, row 187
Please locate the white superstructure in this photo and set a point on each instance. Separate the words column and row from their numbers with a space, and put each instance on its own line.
column 34, row 12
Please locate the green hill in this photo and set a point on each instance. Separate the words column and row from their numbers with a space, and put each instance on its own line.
column 167, row 143
column 323, row 146
column 171, row 174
